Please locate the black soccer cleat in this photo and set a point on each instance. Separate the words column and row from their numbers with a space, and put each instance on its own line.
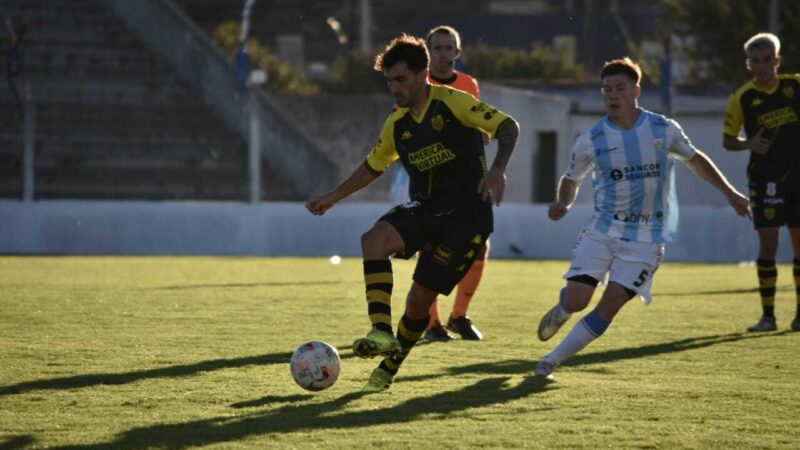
column 464, row 327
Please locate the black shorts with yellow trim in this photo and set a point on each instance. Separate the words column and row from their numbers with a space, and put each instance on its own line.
column 775, row 202
column 447, row 245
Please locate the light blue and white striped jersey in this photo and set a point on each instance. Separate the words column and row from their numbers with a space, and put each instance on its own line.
column 633, row 178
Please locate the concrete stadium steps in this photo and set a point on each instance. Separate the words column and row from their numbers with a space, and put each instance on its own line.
column 111, row 91
column 140, row 153
column 187, row 120
column 112, row 119
column 56, row 58
column 147, row 183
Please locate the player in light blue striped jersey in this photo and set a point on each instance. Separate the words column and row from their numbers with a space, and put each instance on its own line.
column 630, row 153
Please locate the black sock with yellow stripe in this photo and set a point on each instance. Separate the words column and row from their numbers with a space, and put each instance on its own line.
column 767, row 276
column 379, row 280
column 408, row 333
column 797, row 283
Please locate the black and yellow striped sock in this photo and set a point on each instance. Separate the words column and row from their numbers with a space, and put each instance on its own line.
column 797, row 283
column 408, row 333
column 767, row 276
column 379, row 280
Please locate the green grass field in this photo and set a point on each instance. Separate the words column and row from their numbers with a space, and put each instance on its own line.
column 167, row 352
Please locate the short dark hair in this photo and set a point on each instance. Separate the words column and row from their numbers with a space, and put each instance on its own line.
column 446, row 30
column 623, row 66
column 406, row 48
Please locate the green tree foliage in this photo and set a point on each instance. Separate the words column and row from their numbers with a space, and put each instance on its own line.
column 540, row 63
column 282, row 76
column 354, row 73
column 719, row 28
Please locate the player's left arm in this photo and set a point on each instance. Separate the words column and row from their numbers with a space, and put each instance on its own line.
column 705, row 168
column 680, row 147
column 493, row 185
column 486, row 118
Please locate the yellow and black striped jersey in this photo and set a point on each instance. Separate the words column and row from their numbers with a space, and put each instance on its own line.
column 442, row 149
column 776, row 111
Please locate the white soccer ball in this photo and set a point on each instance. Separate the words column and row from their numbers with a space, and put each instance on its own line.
column 315, row 365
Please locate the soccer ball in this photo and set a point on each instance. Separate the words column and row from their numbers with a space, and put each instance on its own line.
column 315, row 365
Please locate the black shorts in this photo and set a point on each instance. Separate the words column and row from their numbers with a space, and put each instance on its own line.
column 447, row 245
column 776, row 202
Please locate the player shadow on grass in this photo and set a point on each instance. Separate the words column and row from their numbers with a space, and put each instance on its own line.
column 184, row 370
column 314, row 416
column 299, row 415
column 519, row 366
column 177, row 371
column 240, row 285
column 785, row 287
column 16, row 442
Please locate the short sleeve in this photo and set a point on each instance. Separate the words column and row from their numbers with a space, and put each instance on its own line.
column 383, row 153
column 473, row 112
column 582, row 160
column 734, row 116
column 680, row 146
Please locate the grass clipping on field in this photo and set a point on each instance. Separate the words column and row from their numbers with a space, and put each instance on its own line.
column 137, row 352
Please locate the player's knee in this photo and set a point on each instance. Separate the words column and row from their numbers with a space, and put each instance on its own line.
column 419, row 301
column 374, row 242
column 614, row 298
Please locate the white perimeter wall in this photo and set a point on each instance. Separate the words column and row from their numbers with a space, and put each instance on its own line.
column 279, row 229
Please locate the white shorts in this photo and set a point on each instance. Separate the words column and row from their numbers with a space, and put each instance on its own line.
column 628, row 263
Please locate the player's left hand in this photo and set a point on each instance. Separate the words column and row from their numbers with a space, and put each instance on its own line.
column 493, row 186
column 740, row 204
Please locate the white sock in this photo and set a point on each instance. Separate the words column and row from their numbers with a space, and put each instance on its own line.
column 578, row 338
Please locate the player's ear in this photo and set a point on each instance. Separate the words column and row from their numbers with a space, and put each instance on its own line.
column 637, row 90
column 423, row 74
column 777, row 60
column 747, row 64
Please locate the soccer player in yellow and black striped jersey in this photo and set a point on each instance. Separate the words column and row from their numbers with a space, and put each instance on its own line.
column 768, row 107
column 435, row 132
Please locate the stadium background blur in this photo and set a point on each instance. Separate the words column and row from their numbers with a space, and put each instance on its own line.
column 133, row 137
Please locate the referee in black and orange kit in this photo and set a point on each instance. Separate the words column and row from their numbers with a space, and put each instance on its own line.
column 768, row 107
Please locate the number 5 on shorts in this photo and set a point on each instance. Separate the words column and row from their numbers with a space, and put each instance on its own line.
column 642, row 278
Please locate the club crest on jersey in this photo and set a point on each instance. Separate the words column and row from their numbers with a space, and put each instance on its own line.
column 406, row 135
column 769, row 213
column 788, row 91
column 756, row 101
column 437, row 122
column 658, row 144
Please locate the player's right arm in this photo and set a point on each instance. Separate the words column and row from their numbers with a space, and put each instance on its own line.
column 383, row 154
column 566, row 193
column 359, row 179
column 734, row 118
column 580, row 164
